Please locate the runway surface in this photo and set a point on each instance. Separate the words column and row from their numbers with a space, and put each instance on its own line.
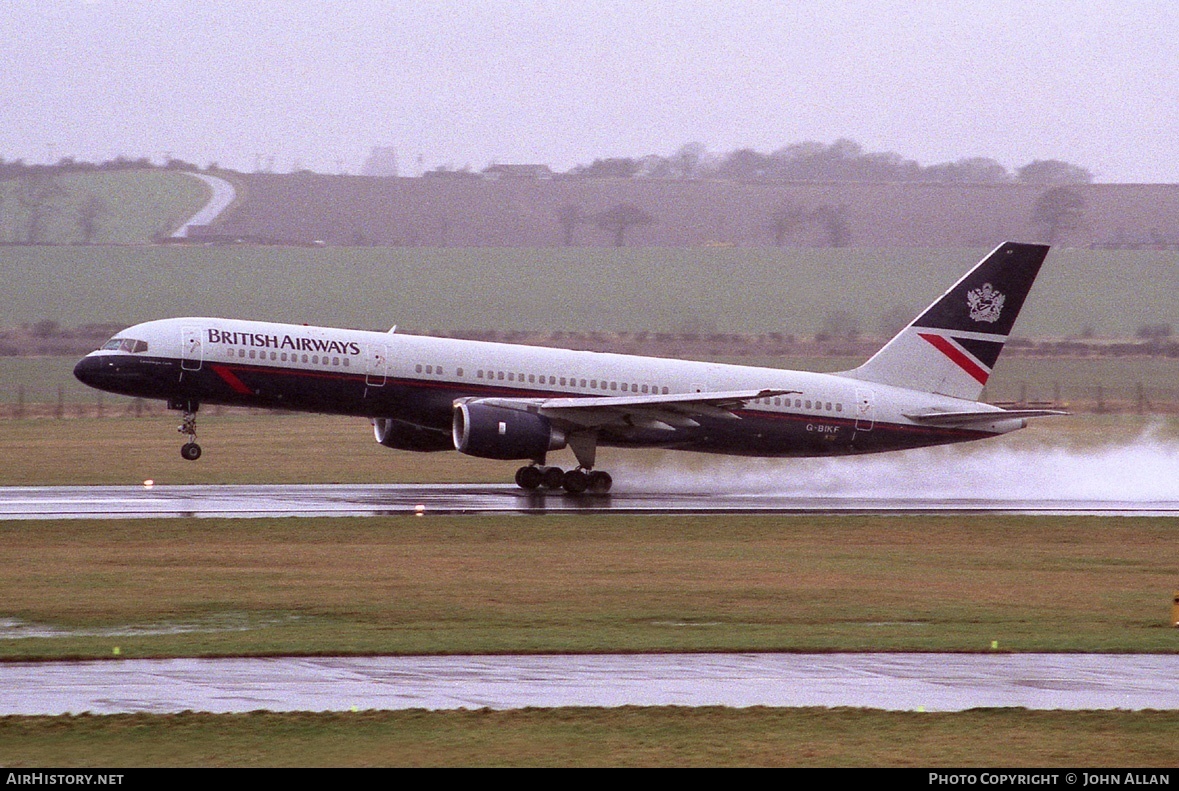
column 88, row 502
column 930, row 682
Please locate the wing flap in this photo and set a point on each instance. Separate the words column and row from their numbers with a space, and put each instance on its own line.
column 968, row 418
column 656, row 411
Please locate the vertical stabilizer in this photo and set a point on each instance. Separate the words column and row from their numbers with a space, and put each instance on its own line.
column 952, row 347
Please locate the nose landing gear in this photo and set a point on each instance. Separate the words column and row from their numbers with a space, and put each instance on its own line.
column 190, row 450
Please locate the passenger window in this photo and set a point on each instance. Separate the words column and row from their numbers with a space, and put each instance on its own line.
column 253, row 354
column 315, row 359
column 418, row 368
column 459, row 371
column 511, row 377
column 665, row 391
column 499, row 375
column 644, row 388
column 429, row 369
column 229, row 352
column 335, row 361
column 479, row 374
column 839, row 407
column 304, row 358
column 241, row 352
column 562, row 380
column 614, row 385
column 345, row 362
column 827, row 406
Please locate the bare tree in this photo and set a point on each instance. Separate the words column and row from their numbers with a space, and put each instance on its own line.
column 620, row 218
column 839, row 325
column 688, row 159
column 89, row 211
column 37, row 195
column 1059, row 210
column 569, row 216
column 785, row 219
column 833, row 220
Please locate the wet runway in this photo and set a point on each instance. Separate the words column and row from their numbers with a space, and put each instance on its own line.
column 930, row 682
column 78, row 502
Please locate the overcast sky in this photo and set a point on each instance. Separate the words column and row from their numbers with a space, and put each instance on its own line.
column 319, row 83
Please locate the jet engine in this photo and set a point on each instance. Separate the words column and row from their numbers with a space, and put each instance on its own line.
column 497, row 432
column 402, row 435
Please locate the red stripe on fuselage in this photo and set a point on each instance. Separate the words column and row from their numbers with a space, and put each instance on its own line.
column 959, row 358
column 231, row 379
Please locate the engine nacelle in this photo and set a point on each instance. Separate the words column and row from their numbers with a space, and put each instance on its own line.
column 496, row 432
column 409, row 436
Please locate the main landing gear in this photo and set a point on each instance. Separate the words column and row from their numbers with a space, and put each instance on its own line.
column 584, row 478
column 189, row 450
column 575, row 481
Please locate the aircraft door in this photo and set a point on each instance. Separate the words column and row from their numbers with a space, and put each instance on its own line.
column 865, row 418
column 192, row 351
column 376, row 364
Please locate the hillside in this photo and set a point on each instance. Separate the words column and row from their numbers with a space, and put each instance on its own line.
column 97, row 207
column 468, row 211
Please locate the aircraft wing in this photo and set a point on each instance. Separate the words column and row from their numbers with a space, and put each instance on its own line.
column 666, row 412
column 967, row 418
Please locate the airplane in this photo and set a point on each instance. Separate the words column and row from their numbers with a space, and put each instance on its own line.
column 515, row 402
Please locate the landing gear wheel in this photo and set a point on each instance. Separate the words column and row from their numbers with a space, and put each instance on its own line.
column 553, row 478
column 600, row 482
column 529, row 477
column 576, row 481
column 189, row 450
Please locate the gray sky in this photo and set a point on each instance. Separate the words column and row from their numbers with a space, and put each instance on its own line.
column 1095, row 83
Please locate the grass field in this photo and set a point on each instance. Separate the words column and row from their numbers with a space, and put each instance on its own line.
column 745, row 290
column 133, row 207
column 586, row 583
column 600, row 737
column 574, row 583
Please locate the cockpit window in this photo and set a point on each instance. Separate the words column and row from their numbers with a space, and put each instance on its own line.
column 125, row 345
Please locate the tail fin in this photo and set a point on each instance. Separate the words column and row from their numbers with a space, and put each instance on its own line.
column 952, row 347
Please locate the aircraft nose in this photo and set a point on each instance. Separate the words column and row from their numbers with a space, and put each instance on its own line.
column 93, row 371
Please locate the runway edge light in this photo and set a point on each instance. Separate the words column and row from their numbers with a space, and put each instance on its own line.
column 1175, row 610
